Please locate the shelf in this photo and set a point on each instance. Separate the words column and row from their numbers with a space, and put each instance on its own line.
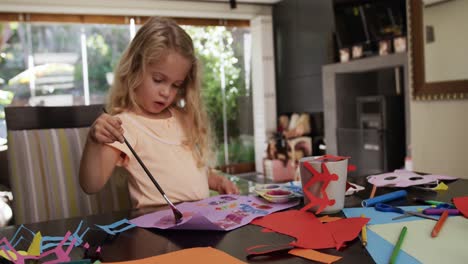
column 368, row 64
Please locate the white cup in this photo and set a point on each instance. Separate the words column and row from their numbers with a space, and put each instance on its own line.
column 335, row 190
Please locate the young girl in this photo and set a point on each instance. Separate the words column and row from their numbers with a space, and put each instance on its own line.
column 155, row 102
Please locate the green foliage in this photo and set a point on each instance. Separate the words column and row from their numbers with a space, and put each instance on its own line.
column 214, row 49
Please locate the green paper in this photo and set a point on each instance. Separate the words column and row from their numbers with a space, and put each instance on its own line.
column 448, row 247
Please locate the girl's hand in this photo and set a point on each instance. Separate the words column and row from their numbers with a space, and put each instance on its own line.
column 106, row 129
column 221, row 184
column 227, row 187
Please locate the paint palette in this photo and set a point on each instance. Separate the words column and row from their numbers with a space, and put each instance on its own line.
column 274, row 193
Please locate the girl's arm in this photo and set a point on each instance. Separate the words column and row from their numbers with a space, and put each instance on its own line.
column 221, row 184
column 98, row 159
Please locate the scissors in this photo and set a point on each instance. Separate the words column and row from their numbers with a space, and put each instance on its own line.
column 388, row 208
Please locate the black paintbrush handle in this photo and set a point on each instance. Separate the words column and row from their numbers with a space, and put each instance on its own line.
column 142, row 164
column 144, row 167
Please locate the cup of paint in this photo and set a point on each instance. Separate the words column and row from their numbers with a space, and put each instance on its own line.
column 312, row 167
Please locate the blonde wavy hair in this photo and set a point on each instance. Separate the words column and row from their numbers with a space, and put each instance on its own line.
column 155, row 39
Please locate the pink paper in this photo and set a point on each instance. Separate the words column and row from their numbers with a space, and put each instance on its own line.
column 404, row 178
column 223, row 212
column 462, row 204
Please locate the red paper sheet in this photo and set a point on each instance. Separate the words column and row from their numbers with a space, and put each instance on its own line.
column 309, row 231
column 462, row 204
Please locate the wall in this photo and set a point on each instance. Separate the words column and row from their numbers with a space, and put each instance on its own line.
column 450, row 42
column 439, row 131
column 439, row 128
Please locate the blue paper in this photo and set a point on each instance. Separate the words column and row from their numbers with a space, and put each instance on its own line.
column 378, row 217
column 112, row 229
column 381, row 250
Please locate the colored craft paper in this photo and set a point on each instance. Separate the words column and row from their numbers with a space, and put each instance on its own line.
column 346, row 229
column 440, row 187
column 462, row 204
column 52, row 241
column 327, row 218
column 223, row 213
column 378, row 217
column 309, row 231
column 314, row 255
column 381, row 250
column 35, row 246
column 207, row 255
column 404, row 178
column 448, row 247
column 117, row 227
column 20, row 235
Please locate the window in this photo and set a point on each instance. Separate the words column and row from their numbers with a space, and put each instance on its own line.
column 58, row 63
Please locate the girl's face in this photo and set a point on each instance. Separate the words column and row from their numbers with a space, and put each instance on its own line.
column 161, row 82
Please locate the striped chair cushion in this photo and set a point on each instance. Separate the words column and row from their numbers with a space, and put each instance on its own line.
column 44, row 167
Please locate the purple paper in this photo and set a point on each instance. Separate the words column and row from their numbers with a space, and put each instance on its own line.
column 404, row 178
column 222, row 212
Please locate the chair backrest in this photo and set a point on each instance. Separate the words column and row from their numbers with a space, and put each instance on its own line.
column 45, row 145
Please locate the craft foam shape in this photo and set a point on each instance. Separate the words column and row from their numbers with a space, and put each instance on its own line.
column 404, row 178
column 324, row 177
column 112, row 229
column 50, row 241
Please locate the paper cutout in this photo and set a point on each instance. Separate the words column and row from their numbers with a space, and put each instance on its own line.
column 263, row 250
column 404, row 178
column 462, row 204
column 314, row 255
column 448, row 247
column 346, row 229
column 18, row 236
column 327, row 218
column 352, row 188
column 440, row 187
column 309, row 231
column 60, row 254
column 223, row 213
column 8, row 252
column 377, row 217
column 35, row 247
column 50, row 241
column 207, row 255
column 113, row 229
column 325, row 177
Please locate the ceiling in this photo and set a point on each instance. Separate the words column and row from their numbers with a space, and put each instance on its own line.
column 265, row 2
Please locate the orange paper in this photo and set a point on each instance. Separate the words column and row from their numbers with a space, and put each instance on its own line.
column 207, row 255
column 314, row 255
column 327, row 218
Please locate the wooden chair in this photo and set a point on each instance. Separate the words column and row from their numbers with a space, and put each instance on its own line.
column 45, row 145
